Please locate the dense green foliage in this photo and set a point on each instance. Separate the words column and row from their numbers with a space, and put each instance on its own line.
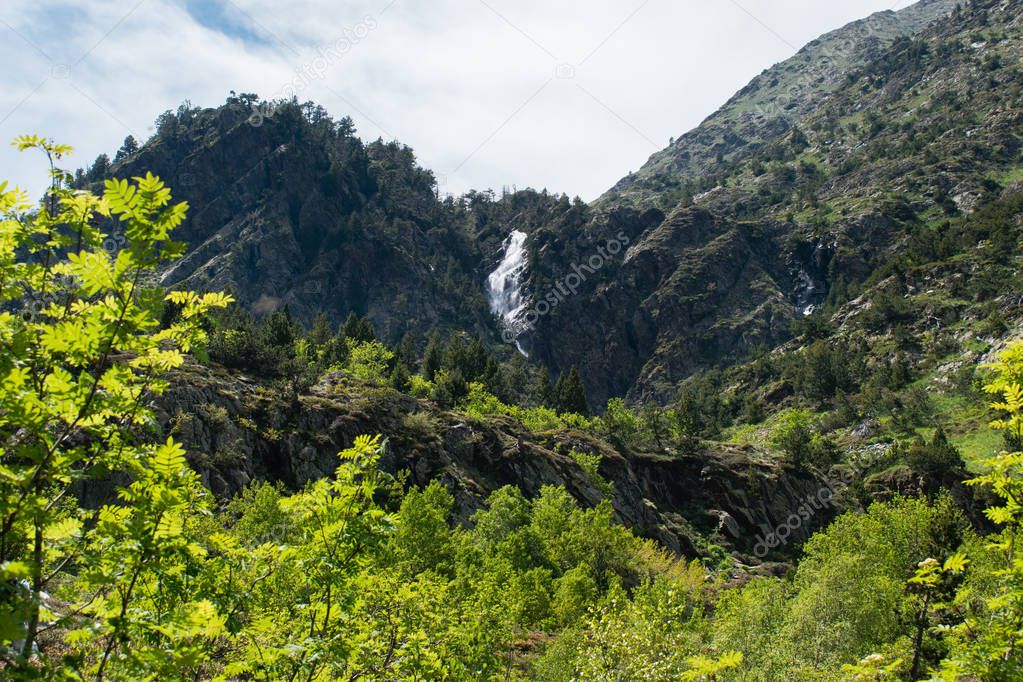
column 905, row 590
column 80, row 358
column 348, row 578
column 117, row 562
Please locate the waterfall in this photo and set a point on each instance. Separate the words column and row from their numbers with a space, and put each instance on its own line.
column 505, row 285
column 805, row 292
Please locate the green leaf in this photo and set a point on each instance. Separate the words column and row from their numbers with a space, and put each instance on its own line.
column 169, row 459
column 956, row 563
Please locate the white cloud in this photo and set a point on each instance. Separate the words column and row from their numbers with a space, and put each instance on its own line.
column 472, row 85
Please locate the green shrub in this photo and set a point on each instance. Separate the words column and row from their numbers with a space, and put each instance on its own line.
column 590, row 465
column 796, row 436
column 368, row 361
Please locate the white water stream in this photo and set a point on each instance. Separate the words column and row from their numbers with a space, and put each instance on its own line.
column 505, row 284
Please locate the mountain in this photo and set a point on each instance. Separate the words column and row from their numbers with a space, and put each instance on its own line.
column 899, row 156
column 290, row 208
column 798, row 196
column 792, row 323
column 724, row 243
column 877, row 217
column 770, row 105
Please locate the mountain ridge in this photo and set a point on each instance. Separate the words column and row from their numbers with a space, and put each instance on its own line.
column 318, row 221
column 767, row 107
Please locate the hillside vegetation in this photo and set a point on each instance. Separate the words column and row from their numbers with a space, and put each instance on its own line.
column 268, row 427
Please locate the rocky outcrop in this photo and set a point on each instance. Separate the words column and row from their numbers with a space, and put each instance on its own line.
column 698, row 290
column 236, row 429
column 821, row 199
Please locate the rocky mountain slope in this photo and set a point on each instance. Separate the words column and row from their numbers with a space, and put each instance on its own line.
column 804, row 307
column 770, row 105
column 290, row 208
column 914, row 140
column 793, row 197
column 862, row 250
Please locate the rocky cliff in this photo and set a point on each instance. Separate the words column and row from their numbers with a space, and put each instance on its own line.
column 237, row 429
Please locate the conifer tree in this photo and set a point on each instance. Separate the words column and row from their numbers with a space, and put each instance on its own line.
column 129, row 147
column 433, row 358
column 358, row 328
column 321, row 331
column 571, row 394
column 406, row 351
column 456, row 356
column 546, row 394
column 399, row 378
column 278, row 329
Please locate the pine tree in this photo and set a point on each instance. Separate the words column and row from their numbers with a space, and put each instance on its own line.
column 99, row 169
column 450, row 387
column 399, row 378
column 350, row 327
column 358, row 328
column 129, row 147
column 278, row 329
column 406, row 351
column 493, row 379
column 433, row 358
column 546, row 395
column 456, row 356
column 937, row 458
column 516, row 379
column 478, row 363
column 571, row 395
column 655, row 422
column 321, row 332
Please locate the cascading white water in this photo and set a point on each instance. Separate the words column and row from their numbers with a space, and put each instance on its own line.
column 505, row 284
column 804, row 293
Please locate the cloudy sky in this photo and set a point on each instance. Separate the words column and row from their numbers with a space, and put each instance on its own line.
column 568, row 94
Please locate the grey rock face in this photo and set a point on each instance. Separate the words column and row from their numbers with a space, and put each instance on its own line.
column 236, row 430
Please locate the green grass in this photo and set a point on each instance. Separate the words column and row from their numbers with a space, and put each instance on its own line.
column 977, row 346
column 856, row 118
column 978, row 445
column 1009, row 177
column 938, row 297
column 951, row 408
column 760, row 434
column 748, row 434
column 966, row 422
column 918, row 101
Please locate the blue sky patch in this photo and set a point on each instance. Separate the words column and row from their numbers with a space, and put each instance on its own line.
column 224, row 17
